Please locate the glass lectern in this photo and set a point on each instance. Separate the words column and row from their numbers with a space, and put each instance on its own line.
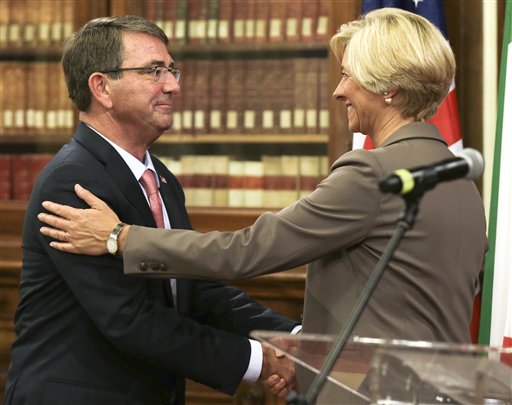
column 395, row 372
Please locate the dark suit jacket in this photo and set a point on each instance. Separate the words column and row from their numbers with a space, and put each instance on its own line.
column 87, row 334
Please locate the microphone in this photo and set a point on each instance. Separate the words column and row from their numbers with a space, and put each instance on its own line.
column 468, row 164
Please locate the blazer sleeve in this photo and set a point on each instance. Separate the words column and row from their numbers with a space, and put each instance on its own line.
column 123, row 309
column 340, row 212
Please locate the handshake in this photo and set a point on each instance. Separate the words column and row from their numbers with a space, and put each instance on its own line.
column 277, row 372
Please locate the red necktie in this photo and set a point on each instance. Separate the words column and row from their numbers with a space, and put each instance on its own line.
column 149, row 183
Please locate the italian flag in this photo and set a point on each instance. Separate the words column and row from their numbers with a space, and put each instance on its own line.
column 496, row 310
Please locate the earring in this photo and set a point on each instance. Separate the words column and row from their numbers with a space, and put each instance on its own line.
column 388, row 100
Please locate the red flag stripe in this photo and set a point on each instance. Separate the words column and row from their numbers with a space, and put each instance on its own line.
column 447, row 119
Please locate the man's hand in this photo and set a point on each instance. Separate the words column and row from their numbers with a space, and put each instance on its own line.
column 83, row 231
column 277, row 373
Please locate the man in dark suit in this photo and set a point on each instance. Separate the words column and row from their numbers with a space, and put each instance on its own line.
column 87, row 334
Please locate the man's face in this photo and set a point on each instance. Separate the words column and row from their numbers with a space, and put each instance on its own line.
column 140, row 103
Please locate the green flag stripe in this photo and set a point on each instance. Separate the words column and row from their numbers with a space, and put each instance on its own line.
column 486, row 308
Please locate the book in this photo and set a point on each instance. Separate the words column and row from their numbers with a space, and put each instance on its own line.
column 45, row 22
column 299, row 92
column 310, row 94
column 293, row 21
column 180, row 23
column 324, row 97
column 212, row 21
column 235, row 95
column 286, row 99
column 201, row 96
column 290, row 179
column 17, row 14
column 196, row 22
column 217, row 97
column 253, row 184
column 235, row 183
column 261, row 23
column 220, row 180
column 187, row 96
column 277, row 20
column 4, row 23
column 310, row 174
column 225, row 19
column 309, row 20
column 239, row 21
column 168, row 19
column 322, row 27
column 253, row 97
column 5, row 176
column 202, row 184
column 272, row 181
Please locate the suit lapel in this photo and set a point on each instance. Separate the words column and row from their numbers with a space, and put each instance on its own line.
column 117, row 169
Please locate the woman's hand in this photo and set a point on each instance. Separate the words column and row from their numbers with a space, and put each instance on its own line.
column 83, row 231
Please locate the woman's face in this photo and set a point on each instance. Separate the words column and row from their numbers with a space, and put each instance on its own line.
column 363, row 107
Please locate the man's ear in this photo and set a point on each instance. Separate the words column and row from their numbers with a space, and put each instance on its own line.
column 99, row 86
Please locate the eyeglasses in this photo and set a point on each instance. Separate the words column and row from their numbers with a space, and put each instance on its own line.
column 158, row 73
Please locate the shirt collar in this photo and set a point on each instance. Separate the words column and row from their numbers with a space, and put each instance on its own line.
column 136, row 166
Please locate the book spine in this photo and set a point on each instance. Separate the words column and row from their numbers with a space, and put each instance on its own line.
column 277, row 21
column 217, row 95
column 293, row 20
column 5, row 176
column 202, row 96
column 225, row 20
column 309, row 20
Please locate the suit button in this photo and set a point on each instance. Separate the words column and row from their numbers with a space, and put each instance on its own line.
column 163, row 267
column 154, row 266
column 143, row 266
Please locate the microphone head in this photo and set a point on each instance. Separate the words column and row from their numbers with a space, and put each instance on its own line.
column 475, row 162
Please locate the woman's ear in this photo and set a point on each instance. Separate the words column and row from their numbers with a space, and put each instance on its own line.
column 99, row 85
column 388, row 96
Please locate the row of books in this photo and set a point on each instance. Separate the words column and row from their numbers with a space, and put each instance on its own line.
column 271, row 182
column 232, row 96
column 35, row 23
column 240, row 21
column 262, row 96
column 34, row 99
column 18, row 173
column 208, row 181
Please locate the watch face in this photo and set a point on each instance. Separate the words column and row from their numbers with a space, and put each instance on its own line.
column 112, row 245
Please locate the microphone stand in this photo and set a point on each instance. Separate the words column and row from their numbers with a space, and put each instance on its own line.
column 404, row 223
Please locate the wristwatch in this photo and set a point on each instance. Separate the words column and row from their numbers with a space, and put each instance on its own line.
column 112, row 245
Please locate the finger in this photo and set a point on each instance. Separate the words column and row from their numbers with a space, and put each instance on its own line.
column 283, row 393
column 271, row 381
column 64, row 247
column 55, row 233
column 56, row 222
column 89, row 198
column 59, row 209
column 279, row 387
column 279, row 353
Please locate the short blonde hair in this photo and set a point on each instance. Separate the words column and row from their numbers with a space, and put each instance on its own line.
column 394, row 49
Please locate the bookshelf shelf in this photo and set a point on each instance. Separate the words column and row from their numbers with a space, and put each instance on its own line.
column 244, row 138
column 60, row 139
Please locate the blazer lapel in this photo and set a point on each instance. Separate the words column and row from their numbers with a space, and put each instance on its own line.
column 116, row 168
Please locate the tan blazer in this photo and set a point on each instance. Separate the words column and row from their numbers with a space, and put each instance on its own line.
column 341, row 230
